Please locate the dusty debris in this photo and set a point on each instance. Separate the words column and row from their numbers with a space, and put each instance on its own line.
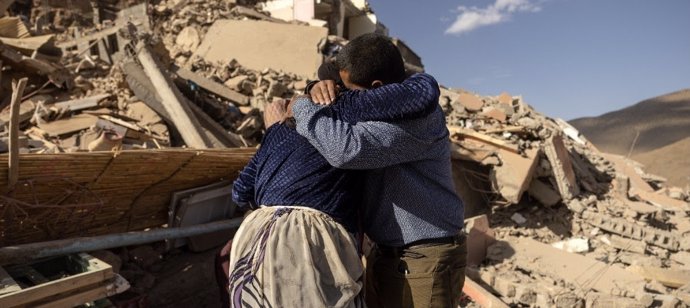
column 91, row 89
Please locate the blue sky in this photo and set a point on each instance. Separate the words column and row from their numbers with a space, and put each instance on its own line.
column 567, row 58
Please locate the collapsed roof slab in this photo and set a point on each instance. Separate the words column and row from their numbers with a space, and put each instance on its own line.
column 259, row 44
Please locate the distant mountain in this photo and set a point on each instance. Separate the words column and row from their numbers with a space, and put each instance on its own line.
column 671, row 161
column 658, row 127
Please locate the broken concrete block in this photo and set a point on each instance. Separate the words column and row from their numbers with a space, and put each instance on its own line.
column 561, row 165
column 682, row 257
column 479, row 237
column 470, row 102
column 505, row 99
column 576, row 206
column 275, row 47
column 237, row 83
column 574, row 268
column 648, row 234
column 573, row 245
column 673, row 278
column 677, row 193
column 660, row 200
column 529, row 123
column 276, row 89
column 544, row 193
column 494, row 113
column 188, row 39
column 518, row 218
column 513, row 177
column 625, row 167
column 599, row 300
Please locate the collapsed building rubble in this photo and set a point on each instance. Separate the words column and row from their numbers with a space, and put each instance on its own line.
column 115, row 88
column 615, row 236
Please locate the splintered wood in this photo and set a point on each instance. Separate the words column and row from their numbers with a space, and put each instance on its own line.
column 81, row 194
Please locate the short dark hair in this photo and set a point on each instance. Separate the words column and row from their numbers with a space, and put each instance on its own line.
column 371, row 57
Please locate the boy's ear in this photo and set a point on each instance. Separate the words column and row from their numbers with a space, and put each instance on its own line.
column 376, row 83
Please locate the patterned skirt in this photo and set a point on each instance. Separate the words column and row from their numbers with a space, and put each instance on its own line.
column 294, row 257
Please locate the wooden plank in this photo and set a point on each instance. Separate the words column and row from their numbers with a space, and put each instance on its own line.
column 466, row 133
column 81, row 103
column 70, row 125
column 81, row 297
column 12, row 27
column 481, row 296
column 90, row 37
column 13, row 161
column 99, row 271
column 180, row 114
column 28, row 43
column 212, row 86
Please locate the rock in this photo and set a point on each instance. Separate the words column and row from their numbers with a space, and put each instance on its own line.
column 529, row 123
column 144, row 256
column 518, row 218
column 235, row 83
column 300, row 85
column 576, row 245
column 470, row 102
column 276, row 89
column 188, row 39
column 677, row 193
column 494, row 113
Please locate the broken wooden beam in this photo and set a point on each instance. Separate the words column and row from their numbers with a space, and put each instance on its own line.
column 81, row 103
column 24, row 253
column 181, row 115
column 212, row 86
column 58, row 75
column 481, row 296
column 13, row 161
column 466, row 133
column 145, row 91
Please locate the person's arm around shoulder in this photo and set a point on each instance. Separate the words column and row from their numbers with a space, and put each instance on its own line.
column 364, row 145
column 416, row 96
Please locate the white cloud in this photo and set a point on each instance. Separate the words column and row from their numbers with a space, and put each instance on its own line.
column 471, row 18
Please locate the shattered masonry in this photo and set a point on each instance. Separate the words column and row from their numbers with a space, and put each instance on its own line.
column 117, row 85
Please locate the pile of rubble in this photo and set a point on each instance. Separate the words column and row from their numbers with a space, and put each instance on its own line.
column 554, row 222
column 582, row 229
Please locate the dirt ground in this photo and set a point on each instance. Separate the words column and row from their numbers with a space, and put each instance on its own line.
column 180, row 279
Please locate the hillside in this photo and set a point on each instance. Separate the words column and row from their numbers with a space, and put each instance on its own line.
column 663, row 125
column 671, row 161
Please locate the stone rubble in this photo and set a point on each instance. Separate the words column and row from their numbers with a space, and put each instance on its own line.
column 536, row 178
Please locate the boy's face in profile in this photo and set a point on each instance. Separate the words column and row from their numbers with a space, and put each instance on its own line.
column 345, row 77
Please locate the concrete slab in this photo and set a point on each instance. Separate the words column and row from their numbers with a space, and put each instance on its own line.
column 260, row 44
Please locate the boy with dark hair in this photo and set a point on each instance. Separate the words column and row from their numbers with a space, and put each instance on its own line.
column 297, row 248
column 410, row 207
